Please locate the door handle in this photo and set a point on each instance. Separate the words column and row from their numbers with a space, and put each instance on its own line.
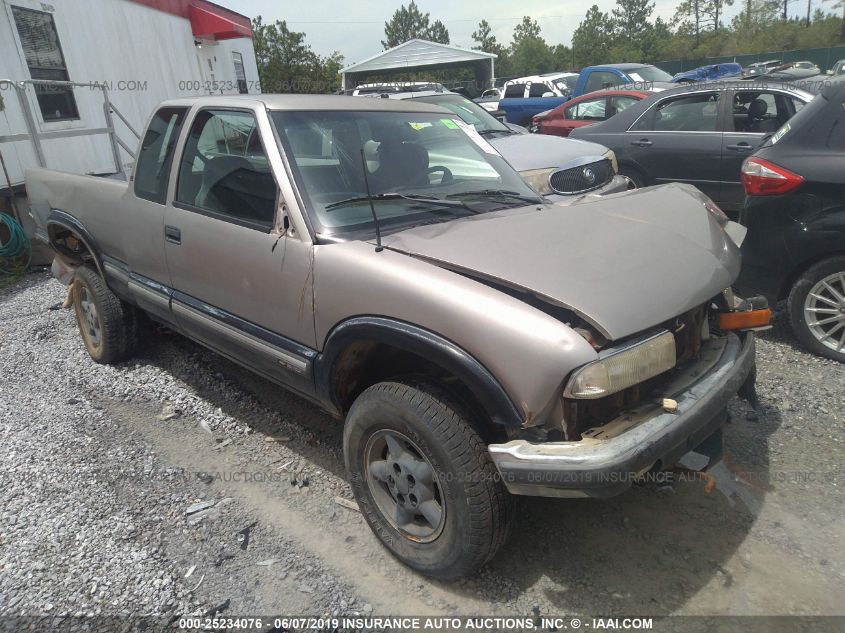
column 172, row 235
column 643, row 142
column 739, row 147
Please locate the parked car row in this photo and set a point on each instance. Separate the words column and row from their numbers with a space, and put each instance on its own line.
column 523, row 98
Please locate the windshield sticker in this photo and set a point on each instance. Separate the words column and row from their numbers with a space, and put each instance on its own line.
column 781, row 133
column 449, row 123
column 470, row 131
column 419, row 125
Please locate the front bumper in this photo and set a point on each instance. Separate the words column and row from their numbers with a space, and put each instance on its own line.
column 595, row 467
column 617, row 184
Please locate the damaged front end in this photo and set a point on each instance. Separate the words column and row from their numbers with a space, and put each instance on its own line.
column 642, row 405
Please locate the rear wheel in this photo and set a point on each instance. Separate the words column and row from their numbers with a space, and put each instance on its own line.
column 423, row 478
column 817, row 308
column 108, row 326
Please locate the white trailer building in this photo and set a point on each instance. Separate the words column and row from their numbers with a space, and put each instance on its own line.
column 123, row 57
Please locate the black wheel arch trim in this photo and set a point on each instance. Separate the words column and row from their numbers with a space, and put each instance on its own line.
column 414, row 339
column 66, row 220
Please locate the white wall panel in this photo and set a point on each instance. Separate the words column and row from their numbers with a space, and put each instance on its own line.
column 142, row 55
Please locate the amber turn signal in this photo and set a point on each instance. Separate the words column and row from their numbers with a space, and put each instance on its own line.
column 745, row 320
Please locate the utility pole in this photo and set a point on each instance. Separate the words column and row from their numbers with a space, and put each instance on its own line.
column 809, row 5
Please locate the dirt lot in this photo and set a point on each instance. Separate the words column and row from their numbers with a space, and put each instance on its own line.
column 100, row 466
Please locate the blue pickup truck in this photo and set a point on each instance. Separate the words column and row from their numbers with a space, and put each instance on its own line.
column 520, row 103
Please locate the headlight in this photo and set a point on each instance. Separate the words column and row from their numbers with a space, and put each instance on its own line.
column 623, row 369
column 538, row 180
column 611, row 156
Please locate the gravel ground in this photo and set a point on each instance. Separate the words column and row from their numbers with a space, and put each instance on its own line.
column 101, row 467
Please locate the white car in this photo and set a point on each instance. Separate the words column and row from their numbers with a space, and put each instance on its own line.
column 397, row 86
column 558, row 84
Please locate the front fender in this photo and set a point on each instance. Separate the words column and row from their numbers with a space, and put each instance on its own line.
column 411, row 338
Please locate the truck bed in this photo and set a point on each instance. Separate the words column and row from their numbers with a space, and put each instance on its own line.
column 96, row 202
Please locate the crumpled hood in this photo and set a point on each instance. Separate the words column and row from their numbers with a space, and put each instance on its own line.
column 624, row 262
column 538, row 151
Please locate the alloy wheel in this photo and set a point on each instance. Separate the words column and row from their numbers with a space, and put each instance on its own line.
column 824, row 311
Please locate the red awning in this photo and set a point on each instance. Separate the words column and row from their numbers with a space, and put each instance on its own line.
column 208, row 24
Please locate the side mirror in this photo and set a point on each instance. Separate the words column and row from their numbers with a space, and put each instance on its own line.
column 548, row 94
column 829, row 71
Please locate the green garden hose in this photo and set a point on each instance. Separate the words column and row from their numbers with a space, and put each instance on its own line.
column 16, row 248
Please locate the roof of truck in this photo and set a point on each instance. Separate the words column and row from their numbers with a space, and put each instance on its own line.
column 306, row 102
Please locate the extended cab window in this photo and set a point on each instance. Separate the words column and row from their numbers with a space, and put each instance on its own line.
column 690, row 113
column 156, row 155
column 224, row 170
column 538, row 90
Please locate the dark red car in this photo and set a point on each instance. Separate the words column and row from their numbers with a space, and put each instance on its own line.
column 585, row 110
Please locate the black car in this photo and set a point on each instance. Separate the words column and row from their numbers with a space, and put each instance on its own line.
column 698, row 134
column 795, row 215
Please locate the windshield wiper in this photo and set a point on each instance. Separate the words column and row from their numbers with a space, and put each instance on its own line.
column 433, row 200
column 489, row 132
column 498, row 193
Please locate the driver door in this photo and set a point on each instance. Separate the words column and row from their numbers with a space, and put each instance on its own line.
column 241, row 283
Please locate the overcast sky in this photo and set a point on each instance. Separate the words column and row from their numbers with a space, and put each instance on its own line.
column 357, row 28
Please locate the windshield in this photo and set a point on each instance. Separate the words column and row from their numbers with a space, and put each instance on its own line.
column 420, row 168
column 469, row 111
column 649, row 73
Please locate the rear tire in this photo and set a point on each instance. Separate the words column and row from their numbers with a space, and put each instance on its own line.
column 108, row 326
column 816, row 308
column 423, row 479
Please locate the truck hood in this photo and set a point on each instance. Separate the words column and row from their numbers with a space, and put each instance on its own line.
column 624, row 262
column 538, row 151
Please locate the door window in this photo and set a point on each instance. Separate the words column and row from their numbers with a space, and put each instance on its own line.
column 224, row 170
column 590, row 110
column 758, row 112
column 617, row 104
column 690, row 113
column 601, row 79
column 515, row 91
column 156, row 155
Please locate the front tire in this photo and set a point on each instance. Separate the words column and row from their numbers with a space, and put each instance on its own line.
column 108, row 326
column 423, row 479
column 816, row 307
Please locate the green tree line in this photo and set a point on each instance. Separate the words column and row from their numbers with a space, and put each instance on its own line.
column 627, row 33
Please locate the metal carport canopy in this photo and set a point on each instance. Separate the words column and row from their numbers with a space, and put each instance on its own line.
column 421, row 55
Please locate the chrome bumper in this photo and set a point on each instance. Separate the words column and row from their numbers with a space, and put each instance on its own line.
column 605, row 467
